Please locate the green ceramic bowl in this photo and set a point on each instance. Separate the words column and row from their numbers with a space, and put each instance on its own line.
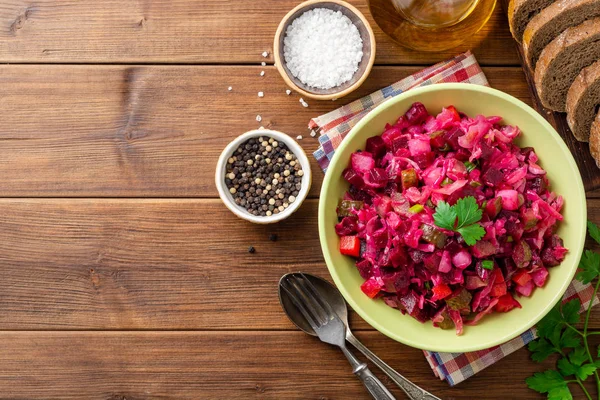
column 564, row 177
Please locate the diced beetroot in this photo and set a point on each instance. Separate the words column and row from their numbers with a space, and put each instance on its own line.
column 376, row 178
column 539, row 276
column 364, row 268
column 483, row 249
column 526, row 289
column 492, row 177
column 445, row 262
column 400, row 143
column 432, row 262
column 416, row 114
column 437, row 139
column 424, row 159
column 510, row 199
column 362, row 162
column 348, row 226
column 353, row 178
column 391, row 301
column 397, row 282
column 372, row 286
column 398, row 257
column 473, row 282
column 521, row 254
column 462, row 259
column 452, row 136
column 493, row 207
column 376, row 146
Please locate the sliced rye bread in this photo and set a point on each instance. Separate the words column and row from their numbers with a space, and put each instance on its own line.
column 561, row 61
column 595, row 139
column 551, row 21
column 520, row 13
column 583, row 101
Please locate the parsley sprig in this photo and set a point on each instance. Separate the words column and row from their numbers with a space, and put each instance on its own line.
column 558, row 335
column 463, row 217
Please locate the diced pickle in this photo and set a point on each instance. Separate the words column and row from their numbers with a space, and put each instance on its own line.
column 522, row 254
column 461, row 301
column 346, row 206
column 409, row 178
column 529, row 219
column 446, row 323
column 434, row 236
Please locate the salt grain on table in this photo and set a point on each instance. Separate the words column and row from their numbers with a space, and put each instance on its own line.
column 264, row 64
column 230, row 88
column 288, row 92
column 322, row 48
column 265, row 54
column 258, row 118
column 261, row 94
column 262, row 73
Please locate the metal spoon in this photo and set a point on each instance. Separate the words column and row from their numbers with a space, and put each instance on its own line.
column 330, row 294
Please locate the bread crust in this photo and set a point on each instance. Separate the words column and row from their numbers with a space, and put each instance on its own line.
column 587, row 77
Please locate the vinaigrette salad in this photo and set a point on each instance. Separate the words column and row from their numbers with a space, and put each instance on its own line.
column 448, row 219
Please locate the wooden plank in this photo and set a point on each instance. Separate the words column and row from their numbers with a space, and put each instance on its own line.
column 109, row 131
column 181, row 31
column 581, row 151
column 151, row 264
column 223, row 365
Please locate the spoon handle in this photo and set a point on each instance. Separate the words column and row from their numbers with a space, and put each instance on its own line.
column 413, row 391
column 373, row 385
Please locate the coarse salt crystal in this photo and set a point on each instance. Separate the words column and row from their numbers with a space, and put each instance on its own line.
column 322, row 48
column 230, row 88
column 262, row 73
column 258, row 118
column 313, row 133
column 264, row 64
column 261, row 94
column 288, row 92
column 265, row 54
column 299, row 137
column 304, row 103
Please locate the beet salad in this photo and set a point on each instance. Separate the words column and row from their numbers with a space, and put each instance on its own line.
column 448, row 219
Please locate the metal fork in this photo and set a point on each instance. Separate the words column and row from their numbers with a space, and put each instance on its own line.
column 330, row 329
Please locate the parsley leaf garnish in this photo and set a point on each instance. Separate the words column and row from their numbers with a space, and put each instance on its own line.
column 463, row 217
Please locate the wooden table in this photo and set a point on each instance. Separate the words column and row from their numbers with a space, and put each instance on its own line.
column 122, row 276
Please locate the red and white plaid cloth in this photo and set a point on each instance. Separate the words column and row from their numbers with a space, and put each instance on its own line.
column 335, row 125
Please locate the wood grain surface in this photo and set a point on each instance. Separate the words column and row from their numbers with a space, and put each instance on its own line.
column 122, row 276
column 223, row 365
column 151, row 131
column 187, row 31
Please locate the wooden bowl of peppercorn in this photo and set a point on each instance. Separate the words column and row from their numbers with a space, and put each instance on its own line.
column 263, row 176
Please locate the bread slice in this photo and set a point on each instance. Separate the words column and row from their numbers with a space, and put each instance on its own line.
column 521, row 11
column 561, row 61
column 595, row 140
column 583, row 101
column 551, row 21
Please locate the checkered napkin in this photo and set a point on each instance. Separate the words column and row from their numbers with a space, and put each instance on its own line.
column 335, row 125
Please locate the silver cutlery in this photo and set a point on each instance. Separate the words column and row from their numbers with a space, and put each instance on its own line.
column 330, row 329
column 329, row 294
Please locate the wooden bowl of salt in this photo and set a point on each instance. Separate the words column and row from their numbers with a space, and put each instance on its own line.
column 324, row 49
